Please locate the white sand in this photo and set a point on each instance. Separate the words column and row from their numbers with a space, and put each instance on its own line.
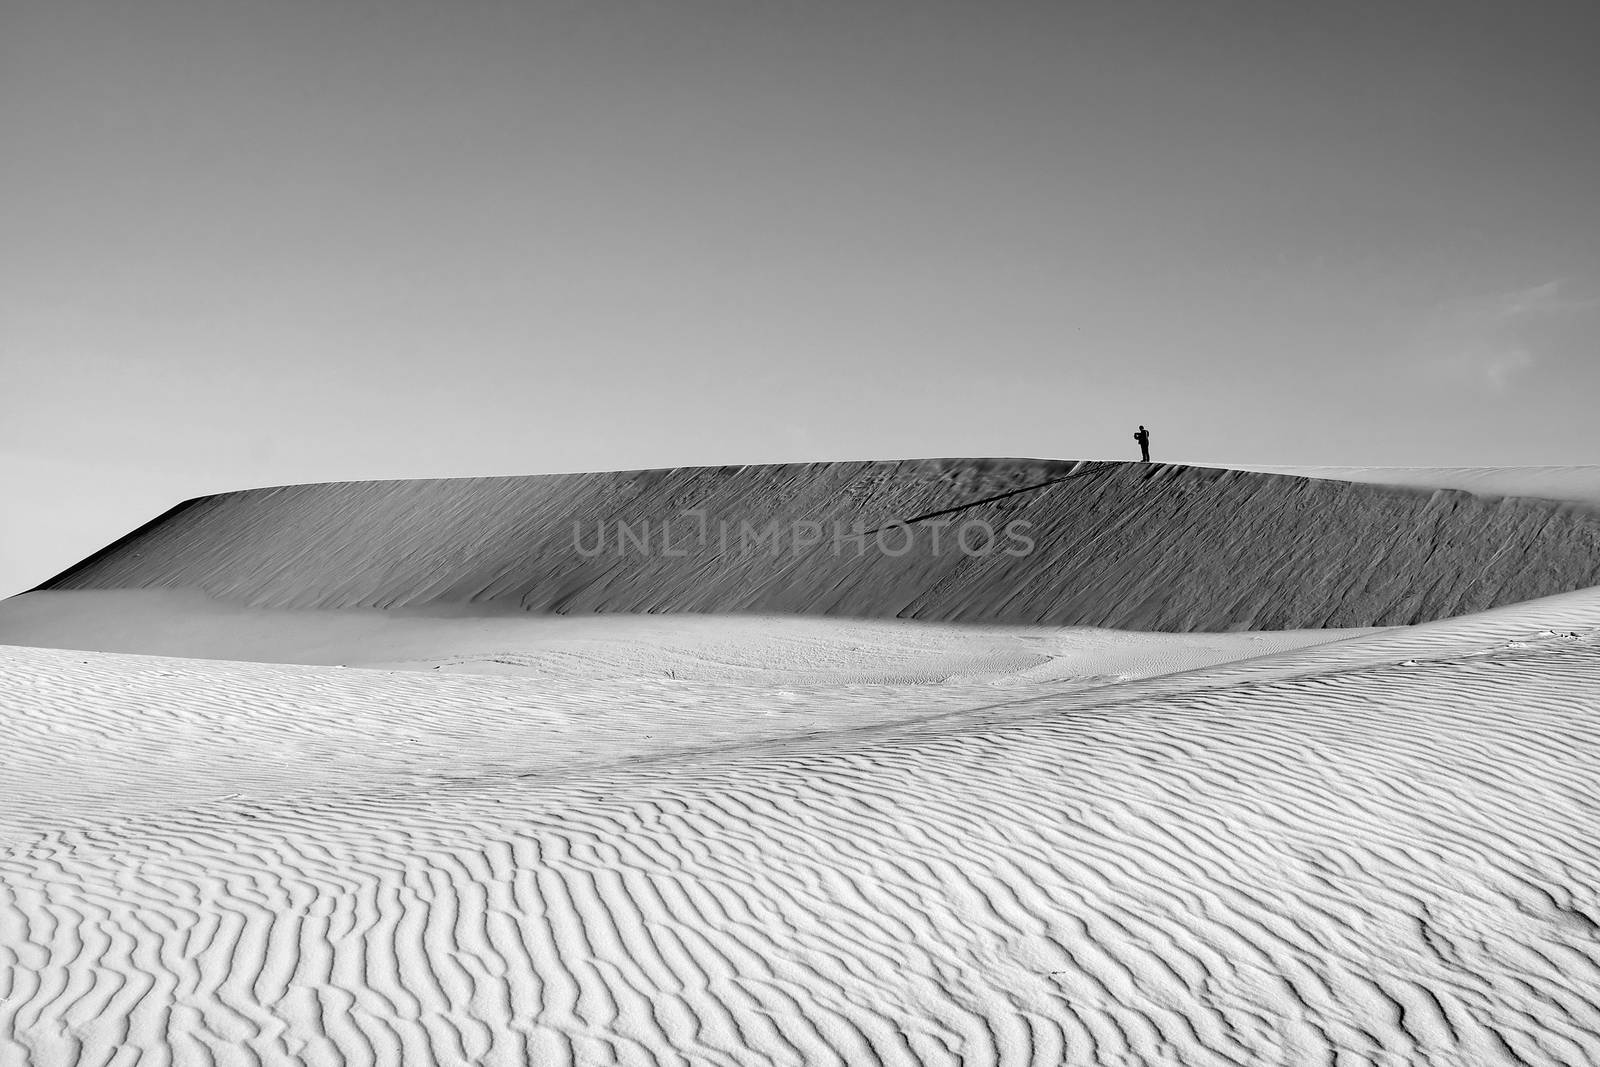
column 482, row 639
column 1576, row 483
column 812, row 842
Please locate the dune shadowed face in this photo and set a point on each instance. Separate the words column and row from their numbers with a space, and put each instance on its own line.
column 1155, row 547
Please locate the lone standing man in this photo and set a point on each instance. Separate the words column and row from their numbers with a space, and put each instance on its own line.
column 1143, row 437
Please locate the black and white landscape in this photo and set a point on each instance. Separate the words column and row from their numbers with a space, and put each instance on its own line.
column 385, row 772
column 478, row 582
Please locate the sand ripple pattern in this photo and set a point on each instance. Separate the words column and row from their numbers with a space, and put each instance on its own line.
column 1388, row 862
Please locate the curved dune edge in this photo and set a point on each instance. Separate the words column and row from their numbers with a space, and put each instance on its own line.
column 765, row 649
column 1376, row 850
column 1575, row 483
column 589, row 692
column 1125, row 545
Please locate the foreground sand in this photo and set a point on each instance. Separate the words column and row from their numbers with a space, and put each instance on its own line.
column 838, row 843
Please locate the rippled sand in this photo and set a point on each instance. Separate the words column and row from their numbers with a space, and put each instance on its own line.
column 828, row 843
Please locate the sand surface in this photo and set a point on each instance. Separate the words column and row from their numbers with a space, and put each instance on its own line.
column 484, row 639
column 829, row 842
column 1576, row 483
column 380, row 773
column 1124, row 545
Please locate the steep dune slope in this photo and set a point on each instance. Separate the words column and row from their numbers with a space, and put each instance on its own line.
column 1154, row 547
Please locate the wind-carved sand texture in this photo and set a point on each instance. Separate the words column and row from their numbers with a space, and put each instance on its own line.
column 1374, row 850
column 433, row 827
column 1128, row 545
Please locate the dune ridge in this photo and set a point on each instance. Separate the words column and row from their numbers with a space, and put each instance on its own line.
column 1126, row 545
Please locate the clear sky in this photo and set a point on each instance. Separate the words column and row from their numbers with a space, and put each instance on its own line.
column 249, row 243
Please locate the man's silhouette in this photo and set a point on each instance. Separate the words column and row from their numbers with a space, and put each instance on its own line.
column 1143, row 437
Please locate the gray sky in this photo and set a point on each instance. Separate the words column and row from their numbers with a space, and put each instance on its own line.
column 302, row 240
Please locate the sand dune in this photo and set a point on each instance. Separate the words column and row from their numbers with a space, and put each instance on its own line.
column 590, row 690
column 1374, row 850
column 475, row 639
column 1151, row 547
column 349, row 788
column 1577, row 483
